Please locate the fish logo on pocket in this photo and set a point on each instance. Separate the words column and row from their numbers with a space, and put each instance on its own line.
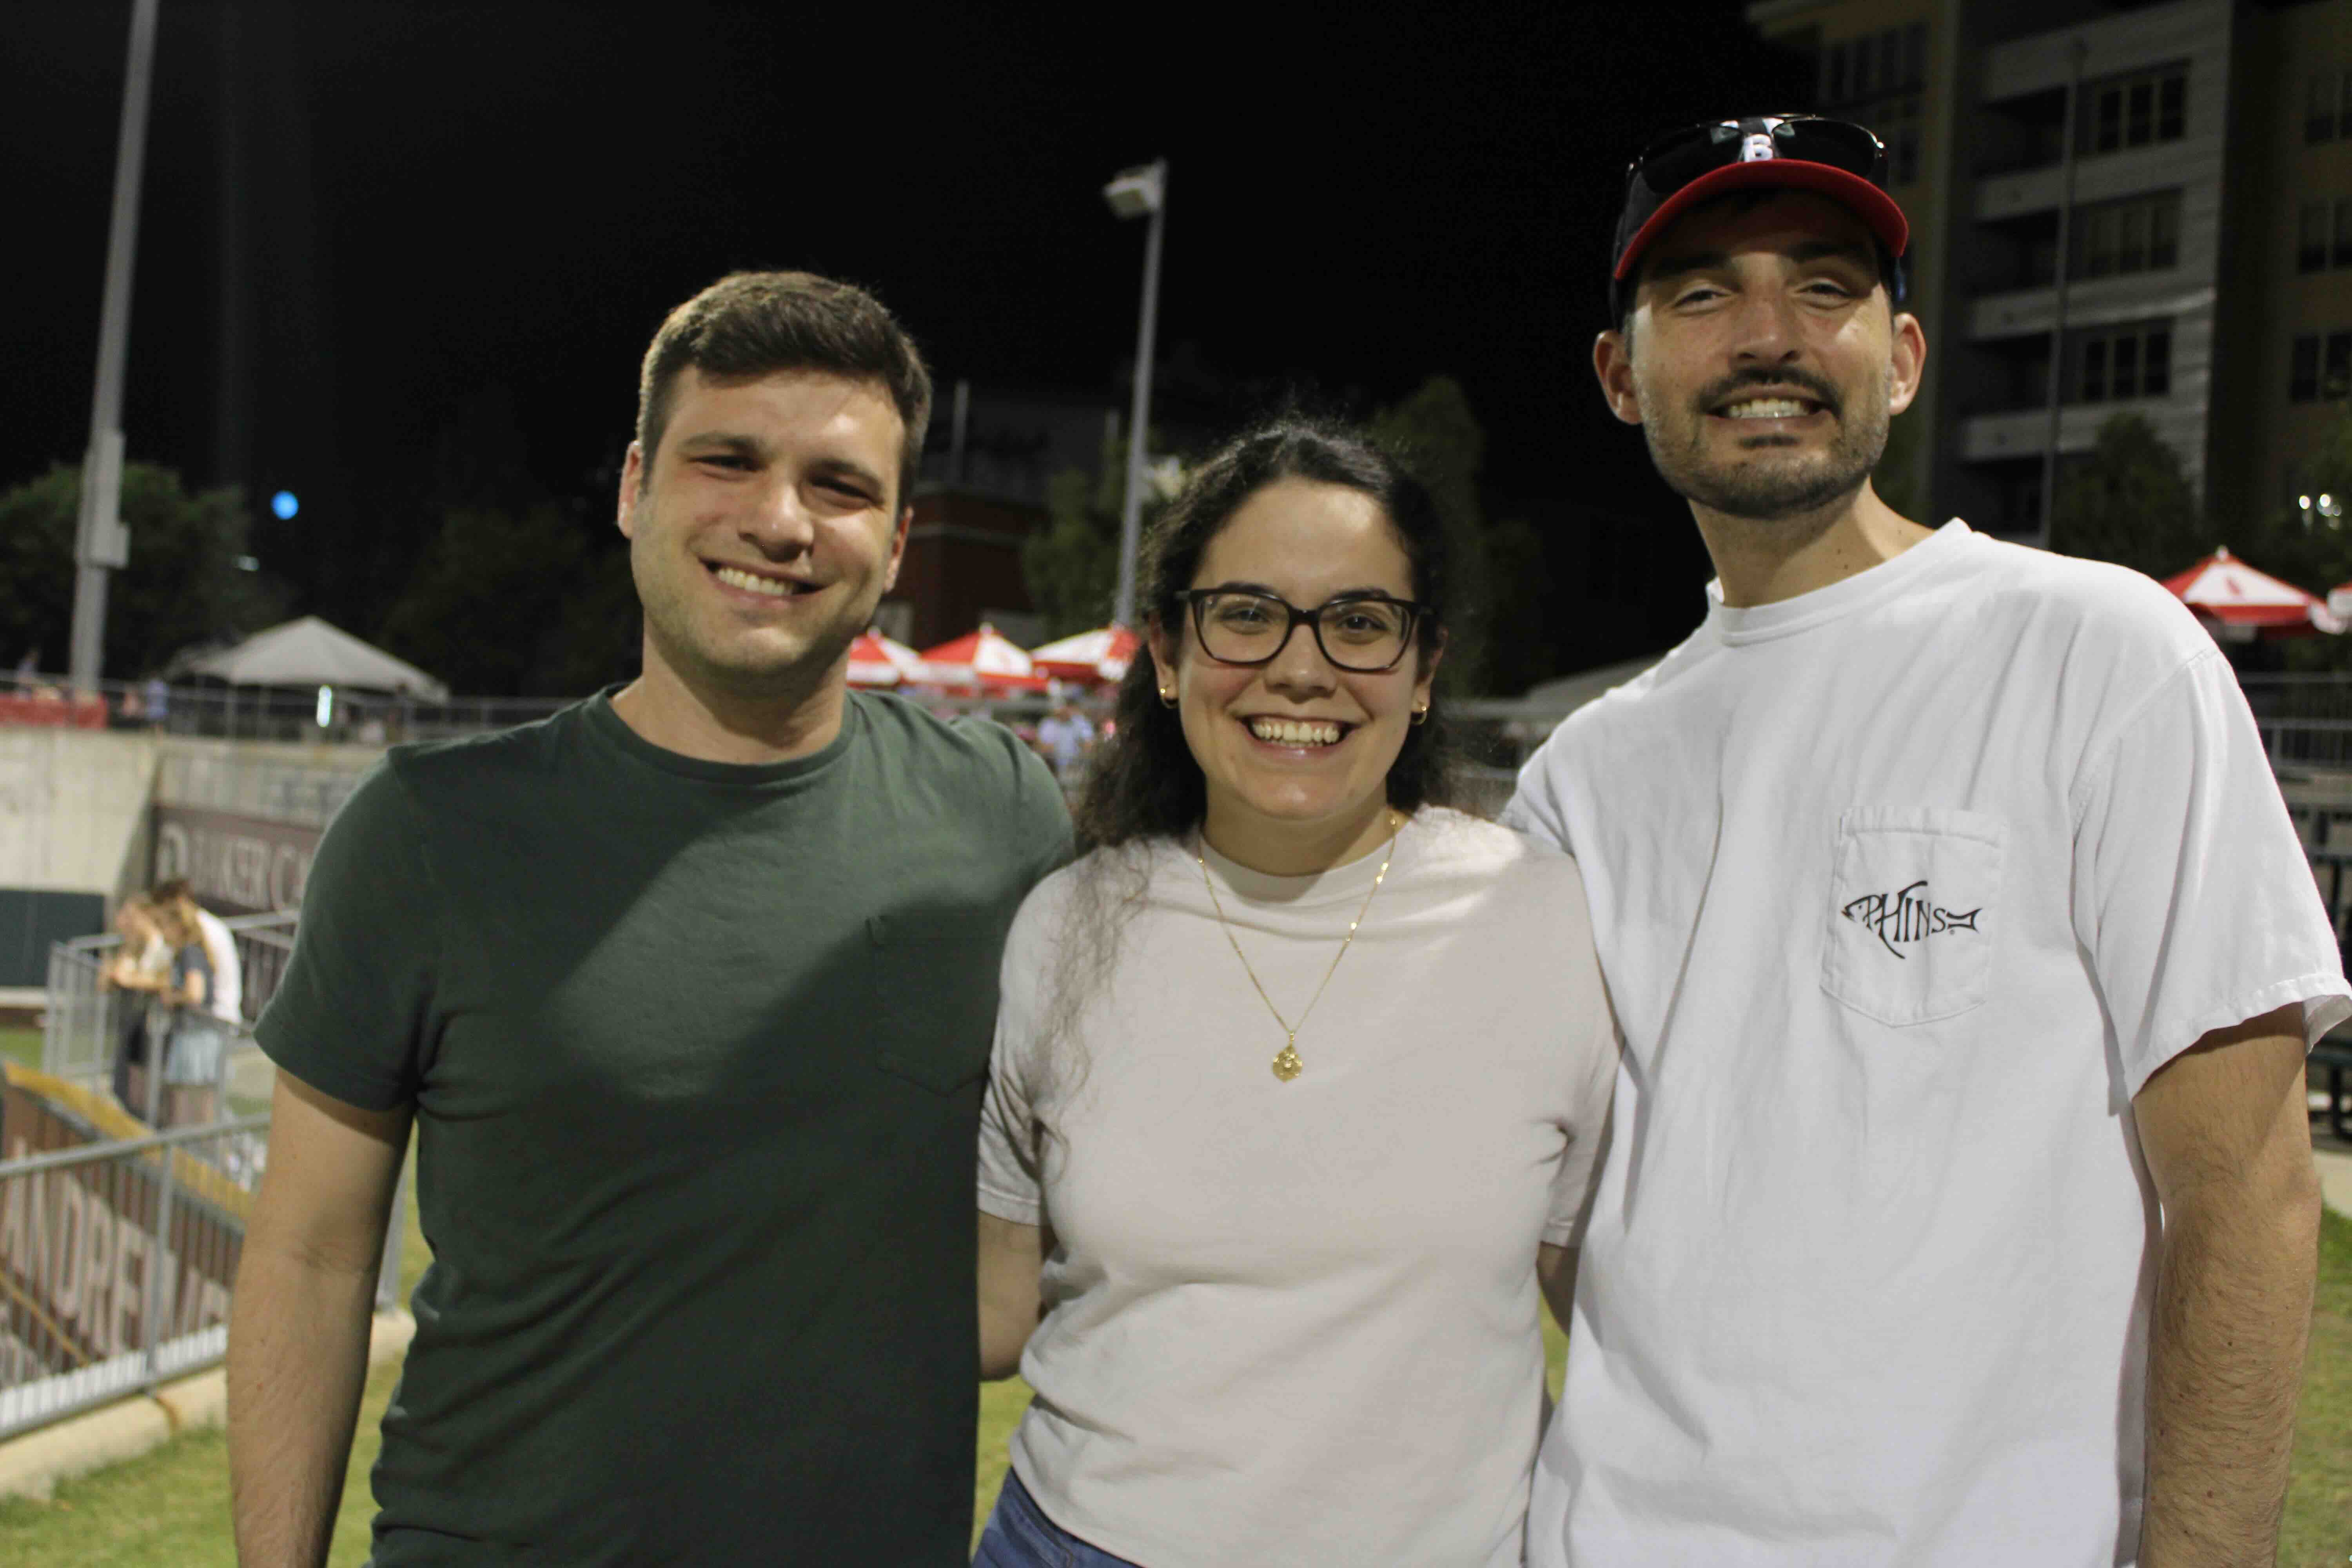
column 1907, row 916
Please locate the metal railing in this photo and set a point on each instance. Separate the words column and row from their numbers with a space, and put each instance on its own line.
column 274, row 714
column 116, row 1261
column 85, row 1021
column 119, row 1245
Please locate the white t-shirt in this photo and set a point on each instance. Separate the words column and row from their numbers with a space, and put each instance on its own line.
column 1904, row 888
column 1298, row 1323
column 225, row 999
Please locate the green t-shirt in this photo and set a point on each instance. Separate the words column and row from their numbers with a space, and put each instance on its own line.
column 695, row 1052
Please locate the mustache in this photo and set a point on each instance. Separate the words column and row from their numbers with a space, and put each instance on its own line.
column 1813, row 387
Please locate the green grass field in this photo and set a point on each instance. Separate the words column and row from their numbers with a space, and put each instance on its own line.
column 21, row 1046
column 170, row 1508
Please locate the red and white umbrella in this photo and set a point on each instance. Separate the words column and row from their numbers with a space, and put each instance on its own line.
column 1100, row 655
column 2240, row 603
column 876, row 660
column 985, row 659
column 2339, row 602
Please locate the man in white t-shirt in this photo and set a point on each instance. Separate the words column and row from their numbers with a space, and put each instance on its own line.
column 1961, row 1207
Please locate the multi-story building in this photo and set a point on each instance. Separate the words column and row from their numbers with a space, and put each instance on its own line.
column 2115, row 207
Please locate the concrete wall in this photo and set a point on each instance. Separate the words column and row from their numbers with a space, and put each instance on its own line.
column 77, row 831
column 71, row 807
column 72, row 802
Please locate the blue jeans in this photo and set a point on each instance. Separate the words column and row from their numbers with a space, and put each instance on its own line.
column 1019, row 1535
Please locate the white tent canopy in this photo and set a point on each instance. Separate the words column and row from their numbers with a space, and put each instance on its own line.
column 310, row 652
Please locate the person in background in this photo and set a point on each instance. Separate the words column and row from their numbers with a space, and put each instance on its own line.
column 1962, row 1210
column 194, row 1041
column 140, row 971
column 158, row 701
column 1300, row 1075
column 227, row 996
column 1067, row 735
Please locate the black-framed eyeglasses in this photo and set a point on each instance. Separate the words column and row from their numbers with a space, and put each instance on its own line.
column 1361, row 633
column 1678, row 157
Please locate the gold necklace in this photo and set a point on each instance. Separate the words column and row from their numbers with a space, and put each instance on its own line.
column 1287, row 1064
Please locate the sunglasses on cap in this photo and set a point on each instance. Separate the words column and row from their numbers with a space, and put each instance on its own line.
column 1834, row 158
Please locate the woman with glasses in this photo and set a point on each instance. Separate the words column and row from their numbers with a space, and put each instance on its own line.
column 1300, row 1075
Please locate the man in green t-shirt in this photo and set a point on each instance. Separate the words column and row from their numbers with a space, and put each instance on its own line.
column 688, row 992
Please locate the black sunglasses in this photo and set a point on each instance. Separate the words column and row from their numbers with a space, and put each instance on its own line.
column 1243, row 627
column 1678, row 157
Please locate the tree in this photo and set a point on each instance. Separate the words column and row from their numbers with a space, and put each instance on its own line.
column 2130, row 503
column 1500, row 639
column 184, row 582
column 2308, row 546
column 1072, row 566
column 513, row 603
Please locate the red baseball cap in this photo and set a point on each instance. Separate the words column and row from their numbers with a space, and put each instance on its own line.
column 1832, row 158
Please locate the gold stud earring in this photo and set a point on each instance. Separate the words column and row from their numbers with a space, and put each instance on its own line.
column 1167, row 698
column 1421, row 715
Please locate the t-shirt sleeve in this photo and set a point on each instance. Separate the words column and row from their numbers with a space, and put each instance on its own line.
column 1011, row 1174
column 192, row 960
column 1536, row 807
column 1043, row 814
column 1594, row 1046
column 2191, row 893
column 353, row 1012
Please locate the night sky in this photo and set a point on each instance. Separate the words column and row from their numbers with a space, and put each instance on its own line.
column 376, row 234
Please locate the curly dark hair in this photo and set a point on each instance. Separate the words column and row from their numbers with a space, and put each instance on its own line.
column 1144, row 781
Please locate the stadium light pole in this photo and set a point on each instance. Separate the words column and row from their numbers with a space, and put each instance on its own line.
column 1139, row 193
column 2071, row 131
column 100, row 542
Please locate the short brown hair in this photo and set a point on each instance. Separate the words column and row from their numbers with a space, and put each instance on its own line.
column 756, row 323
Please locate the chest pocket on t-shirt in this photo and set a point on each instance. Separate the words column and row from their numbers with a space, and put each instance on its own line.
column 1912, row 912
column 934, row 995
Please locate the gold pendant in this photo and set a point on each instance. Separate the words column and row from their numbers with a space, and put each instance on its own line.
column 1287, row 1066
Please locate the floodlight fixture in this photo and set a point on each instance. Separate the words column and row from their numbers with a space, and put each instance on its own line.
column 1137, row 192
